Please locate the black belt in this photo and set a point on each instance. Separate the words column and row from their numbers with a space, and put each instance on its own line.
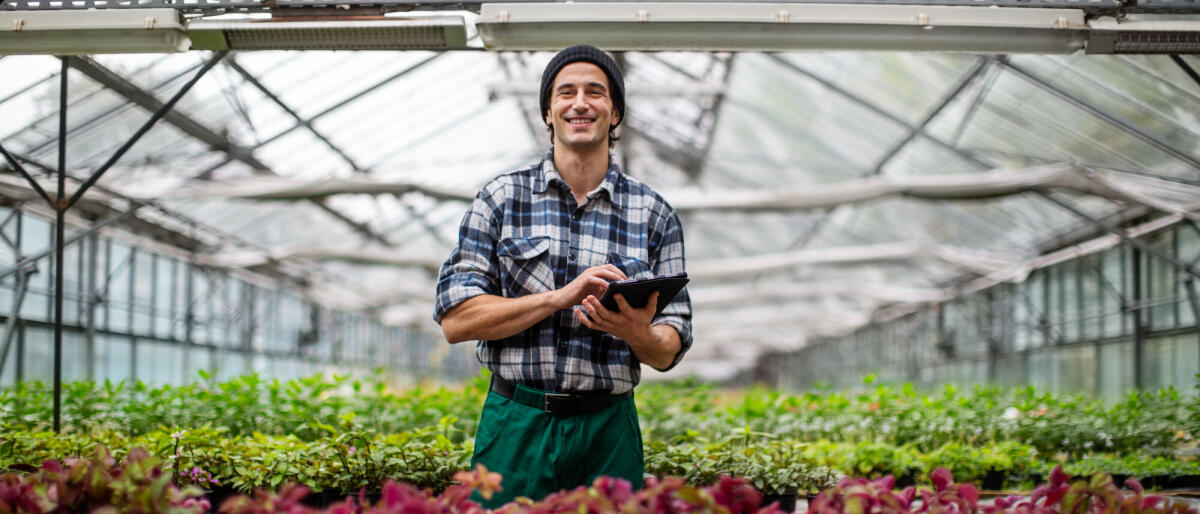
column 557, row 403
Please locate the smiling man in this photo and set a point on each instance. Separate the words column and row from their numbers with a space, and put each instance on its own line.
column 536, row 250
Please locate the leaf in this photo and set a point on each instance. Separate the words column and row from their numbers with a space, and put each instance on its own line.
column 941, row 479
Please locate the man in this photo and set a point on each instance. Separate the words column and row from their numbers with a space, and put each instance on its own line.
column 536, row 251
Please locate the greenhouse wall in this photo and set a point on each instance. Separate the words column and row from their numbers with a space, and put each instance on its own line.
column 161, row 319
column 1067, row 328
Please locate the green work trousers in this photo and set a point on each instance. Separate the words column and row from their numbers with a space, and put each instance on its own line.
column 538, row 453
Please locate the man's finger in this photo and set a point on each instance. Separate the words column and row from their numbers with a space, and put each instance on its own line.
column 610, row 274
column 615, row 271
column 598, row 311
column 584, row 319
column 622, row 305
column 652, row 302
column 595, row 285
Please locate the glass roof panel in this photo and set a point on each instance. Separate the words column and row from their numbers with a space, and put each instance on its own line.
column 462, row 118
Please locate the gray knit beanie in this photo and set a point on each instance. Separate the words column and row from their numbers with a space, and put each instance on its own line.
column 585, row 53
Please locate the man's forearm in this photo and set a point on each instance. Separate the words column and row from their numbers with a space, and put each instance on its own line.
column 659, row 349
column 490, row 317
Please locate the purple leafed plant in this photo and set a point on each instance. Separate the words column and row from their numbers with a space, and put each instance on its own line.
column 99, row 484
column 605, row 495
column 1098, row 495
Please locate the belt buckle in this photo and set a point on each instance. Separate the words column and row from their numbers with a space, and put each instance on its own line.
column 546, row 400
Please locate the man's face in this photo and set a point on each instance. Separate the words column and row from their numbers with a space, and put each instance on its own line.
column 581, row 108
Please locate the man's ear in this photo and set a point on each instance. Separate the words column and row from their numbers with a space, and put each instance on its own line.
column 616, row 118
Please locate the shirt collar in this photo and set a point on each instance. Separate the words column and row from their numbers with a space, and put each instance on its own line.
column 612, row 179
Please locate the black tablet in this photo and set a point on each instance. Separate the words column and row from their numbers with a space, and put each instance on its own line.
column 637, row 292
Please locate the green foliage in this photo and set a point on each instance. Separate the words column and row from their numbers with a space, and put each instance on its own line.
column 1158, row 421
column 340, row 461
column 242, row 406
column 338, row 433
column 1131, row 465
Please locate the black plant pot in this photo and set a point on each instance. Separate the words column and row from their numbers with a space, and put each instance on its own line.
column 217, row 495
column 1156, row 481
column 1190, row 482
column 327, row 498
column 906, row 480
column 993, row 480
column 787, row 501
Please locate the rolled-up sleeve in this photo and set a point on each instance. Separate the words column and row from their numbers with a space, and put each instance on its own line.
column 669, row 259
column 471, row 269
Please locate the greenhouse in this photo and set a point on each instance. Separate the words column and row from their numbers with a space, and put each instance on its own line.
column 352, row 256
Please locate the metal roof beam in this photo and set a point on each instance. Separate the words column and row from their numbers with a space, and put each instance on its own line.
column 535, row 134
column 354, row 96
column 25, row 89
column 1180, row 266
column 195, row 129
column 296, row 116
column 1186, row 68
column 712, row 113
column 1108, row 117
column 76, row 127
column 685, row 159
column 877, row 109
column 941, row 104
column 914, row 131
column 148, row 101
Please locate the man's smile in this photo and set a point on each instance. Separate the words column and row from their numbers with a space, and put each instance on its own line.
column 580, row 121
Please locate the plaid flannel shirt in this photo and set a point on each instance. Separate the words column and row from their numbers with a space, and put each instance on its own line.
column 524, row 234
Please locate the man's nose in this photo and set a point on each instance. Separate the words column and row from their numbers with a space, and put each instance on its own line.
column 578, row 103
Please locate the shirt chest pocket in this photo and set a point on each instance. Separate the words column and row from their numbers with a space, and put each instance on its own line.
column 525, row 266
column 633, row 267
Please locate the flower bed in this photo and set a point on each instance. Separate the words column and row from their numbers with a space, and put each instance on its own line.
column 339, row 434
column 140, row 483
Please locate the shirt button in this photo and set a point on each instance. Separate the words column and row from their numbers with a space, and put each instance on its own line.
column 571, row 256
column 575, row 216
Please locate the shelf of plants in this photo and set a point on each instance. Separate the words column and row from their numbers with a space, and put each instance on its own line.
column 198, row 446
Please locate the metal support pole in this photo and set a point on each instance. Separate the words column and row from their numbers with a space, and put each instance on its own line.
column 92, row 298
column 20, row 372
column 133, row 339
column 10, row 326
column 59, row 229
column 1189, row 283
column 248, row 328
column 1135, row 312
column 993, row 337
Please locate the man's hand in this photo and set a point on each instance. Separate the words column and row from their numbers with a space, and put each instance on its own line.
column 629, row 324
column 592, row 282
column 655, row 345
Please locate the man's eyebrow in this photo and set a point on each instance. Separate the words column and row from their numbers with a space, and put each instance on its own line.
column 567, row 85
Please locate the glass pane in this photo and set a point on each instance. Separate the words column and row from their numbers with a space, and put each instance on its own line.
column 143, row 290
column 115, row 354
column 1116, row 370
column 36, row 238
